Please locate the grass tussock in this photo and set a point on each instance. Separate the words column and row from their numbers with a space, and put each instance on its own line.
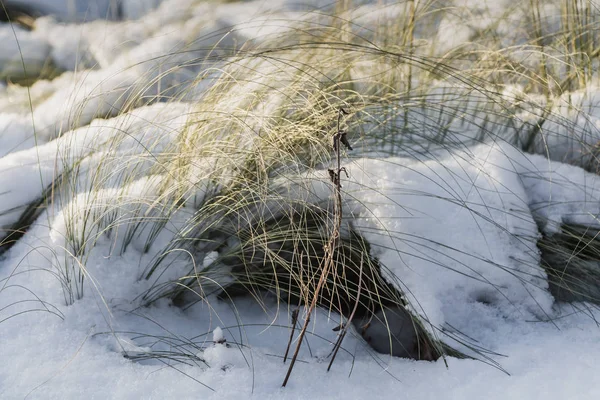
column 237, row 198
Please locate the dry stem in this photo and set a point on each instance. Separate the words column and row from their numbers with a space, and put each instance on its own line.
column 328, row 260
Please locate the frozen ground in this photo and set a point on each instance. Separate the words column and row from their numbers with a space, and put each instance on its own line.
column 461, row 237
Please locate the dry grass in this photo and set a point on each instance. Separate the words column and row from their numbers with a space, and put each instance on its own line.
column 241, row 170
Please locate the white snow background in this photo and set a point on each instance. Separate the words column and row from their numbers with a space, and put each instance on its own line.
column 463, row 239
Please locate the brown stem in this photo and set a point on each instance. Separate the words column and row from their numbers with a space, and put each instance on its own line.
column 338, row 343
column 294, row 321
column 329, row 248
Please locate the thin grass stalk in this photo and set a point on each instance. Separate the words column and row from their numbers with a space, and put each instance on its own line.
column 340, row 339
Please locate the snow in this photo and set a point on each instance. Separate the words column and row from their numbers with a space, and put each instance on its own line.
column 491, row 303
column 455, row 228
column 218, row 335
column 23, row 53
column 86, row 10
column 462, row 225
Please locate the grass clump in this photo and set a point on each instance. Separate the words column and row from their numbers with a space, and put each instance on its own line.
column 236, row 197
column 571, row 258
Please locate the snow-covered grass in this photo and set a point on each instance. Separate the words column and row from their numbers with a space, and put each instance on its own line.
column 187, row 151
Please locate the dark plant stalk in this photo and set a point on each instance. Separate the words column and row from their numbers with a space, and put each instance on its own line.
column 342, row 334
column 328, row 260
column 294, row 321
